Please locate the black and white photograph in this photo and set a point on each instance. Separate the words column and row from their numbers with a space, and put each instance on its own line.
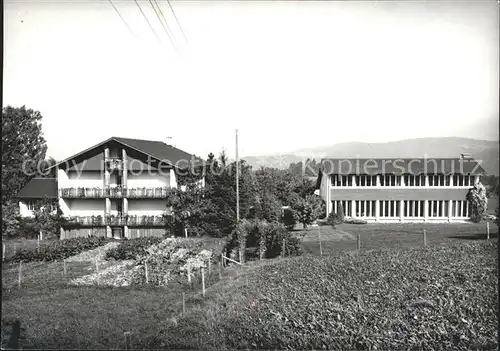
column 253, row 174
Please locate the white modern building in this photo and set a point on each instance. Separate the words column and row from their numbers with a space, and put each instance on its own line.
column 399, row 190
column 117, row 188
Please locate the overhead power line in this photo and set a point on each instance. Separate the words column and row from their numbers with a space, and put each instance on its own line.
column 178, row 23
column 150, row 26
column 123, row 19
column 164, row 28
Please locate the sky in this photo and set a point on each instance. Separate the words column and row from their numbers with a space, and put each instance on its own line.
column 288, row 75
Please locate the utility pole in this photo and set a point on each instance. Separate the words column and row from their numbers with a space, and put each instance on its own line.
column 237, row 180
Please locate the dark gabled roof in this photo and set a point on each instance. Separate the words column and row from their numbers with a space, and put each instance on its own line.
column 158, row 150
column 39, row 188
column 400, row 166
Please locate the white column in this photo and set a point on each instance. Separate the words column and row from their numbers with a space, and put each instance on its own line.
column 426, row 180
column 353, row 208
column 173, row 179
column 426, row 209
column 354, row 183
column 401, row 210
column 328, row 182
column 402, row 180
column 378, row 179
column 450, row 207
column 377, row 210
column 451, row 179
column 125, row 168
column 476, row 179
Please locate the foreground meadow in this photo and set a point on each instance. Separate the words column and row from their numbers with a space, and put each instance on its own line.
column 397, row 295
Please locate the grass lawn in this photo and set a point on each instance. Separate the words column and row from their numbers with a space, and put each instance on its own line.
column 389, row 236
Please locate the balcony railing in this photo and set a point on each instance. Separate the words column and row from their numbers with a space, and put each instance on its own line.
column 149, row 193
column 115, row 192
column 77, row 193
column 133, row 221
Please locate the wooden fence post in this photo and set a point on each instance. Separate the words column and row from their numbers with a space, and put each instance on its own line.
column 222, row 259
column 64, row 266
column 220, row 270
column 15, row 248
column 487, row 230
column 359, row 241
column 283, row 249
column 320, row 245
column 183, row 303
column 3, row 252
column 189, row 274
column 146, row 271
column 97, row 271
column 203, row 281
column 38, row 242
column 209, row 268
column 19, row 278
column 128, row 341
column 425, row 238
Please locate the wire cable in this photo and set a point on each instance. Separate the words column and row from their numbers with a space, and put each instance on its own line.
column 150, row 26
column 123, row 19
column 178, row 23
column 164, row 28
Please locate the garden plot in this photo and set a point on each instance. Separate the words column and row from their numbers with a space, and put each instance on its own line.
column 111, row 273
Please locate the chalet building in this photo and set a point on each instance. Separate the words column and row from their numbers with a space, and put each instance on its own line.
column 399, row 190
column 117, row 188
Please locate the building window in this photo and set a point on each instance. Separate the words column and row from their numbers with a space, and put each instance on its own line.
column 30, row 205
column 389, row 208
column 365, row 208
column 413, row 209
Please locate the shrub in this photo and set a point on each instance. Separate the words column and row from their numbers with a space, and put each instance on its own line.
column 479, row 202
column 59, row 249
column 332, row 219
column 130, row 249
column 263, row 238
column 289, row 218
column 355, row 221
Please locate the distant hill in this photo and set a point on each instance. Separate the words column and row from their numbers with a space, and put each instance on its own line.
column 484, row 150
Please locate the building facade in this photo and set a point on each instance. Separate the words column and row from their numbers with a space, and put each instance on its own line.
column 399, row 190
column 117, row 188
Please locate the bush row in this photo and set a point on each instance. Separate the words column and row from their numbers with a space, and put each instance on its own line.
column 59, row 249
column 130, row 249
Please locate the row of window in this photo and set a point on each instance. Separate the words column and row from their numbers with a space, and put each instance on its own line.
column 406, row 180
column 410, row 208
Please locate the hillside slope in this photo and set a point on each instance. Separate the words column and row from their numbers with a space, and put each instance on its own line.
column 487, row 151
